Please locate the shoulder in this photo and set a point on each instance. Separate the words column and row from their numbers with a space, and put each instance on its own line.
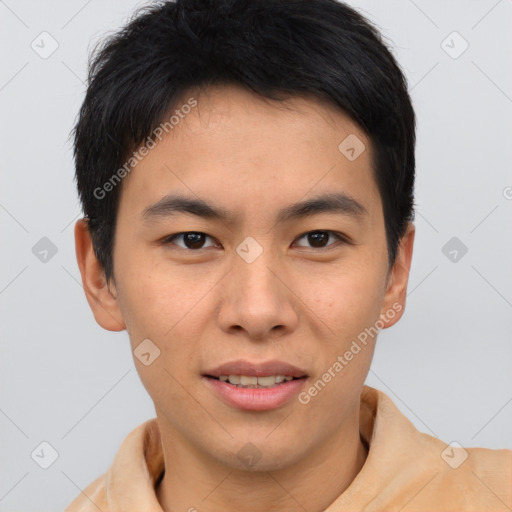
column 136, row 466
column 93, row 497
column 420, row 472
column 451, row 477
column 481, row 477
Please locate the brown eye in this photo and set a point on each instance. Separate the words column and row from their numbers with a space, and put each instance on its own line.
column 319, row 239
column 192, row 240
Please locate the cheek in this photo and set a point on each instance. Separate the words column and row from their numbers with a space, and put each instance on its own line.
column 160, row 310
column 167, row 307
column 154, row 297
column 347, row 296
column 349, row 304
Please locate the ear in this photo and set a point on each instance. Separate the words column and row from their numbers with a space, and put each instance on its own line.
column 103, row 303
column 393, row 306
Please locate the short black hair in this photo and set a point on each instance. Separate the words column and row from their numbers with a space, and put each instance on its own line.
column 274, row 48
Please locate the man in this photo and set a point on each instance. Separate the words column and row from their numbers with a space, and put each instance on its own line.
column 246, row 170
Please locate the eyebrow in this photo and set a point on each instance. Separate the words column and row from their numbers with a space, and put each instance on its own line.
column 174, row 204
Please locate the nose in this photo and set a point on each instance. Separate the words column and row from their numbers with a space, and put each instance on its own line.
column 257, row 299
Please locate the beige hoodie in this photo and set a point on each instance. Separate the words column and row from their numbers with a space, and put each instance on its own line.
column 405, row 470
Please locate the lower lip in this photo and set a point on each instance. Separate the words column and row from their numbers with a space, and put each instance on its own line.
column 256, row 399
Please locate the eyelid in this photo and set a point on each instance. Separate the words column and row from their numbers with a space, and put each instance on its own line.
column 340, row 236
column 168, row 240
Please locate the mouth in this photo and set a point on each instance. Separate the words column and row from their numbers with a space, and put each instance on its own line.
column 255, row 386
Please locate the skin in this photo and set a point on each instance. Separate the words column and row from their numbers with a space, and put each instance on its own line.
column 297, row 302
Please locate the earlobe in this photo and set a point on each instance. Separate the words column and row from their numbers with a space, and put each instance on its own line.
column 101, row 299
column 396, row 292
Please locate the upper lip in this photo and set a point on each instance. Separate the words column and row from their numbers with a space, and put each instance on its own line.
column 261, row 369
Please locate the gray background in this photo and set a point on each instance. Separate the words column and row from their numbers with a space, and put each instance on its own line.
column 447, row 364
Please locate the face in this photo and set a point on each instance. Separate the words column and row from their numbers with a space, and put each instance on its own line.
column 248, row 244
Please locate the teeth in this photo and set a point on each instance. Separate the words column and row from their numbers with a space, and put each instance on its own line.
column 267, row 381
column 253, row 382
column 247, row 381
column 234, row 379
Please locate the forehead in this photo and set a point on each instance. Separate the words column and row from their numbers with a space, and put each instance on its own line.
column 235, row 146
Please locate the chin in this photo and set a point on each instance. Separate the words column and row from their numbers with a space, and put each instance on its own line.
column 250, row 453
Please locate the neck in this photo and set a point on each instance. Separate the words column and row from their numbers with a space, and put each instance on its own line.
column 191, row 483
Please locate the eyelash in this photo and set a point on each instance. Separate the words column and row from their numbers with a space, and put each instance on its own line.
column 341, row 238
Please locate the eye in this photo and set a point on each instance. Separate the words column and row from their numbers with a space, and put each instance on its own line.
column 319, row 238
column 192, row 240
